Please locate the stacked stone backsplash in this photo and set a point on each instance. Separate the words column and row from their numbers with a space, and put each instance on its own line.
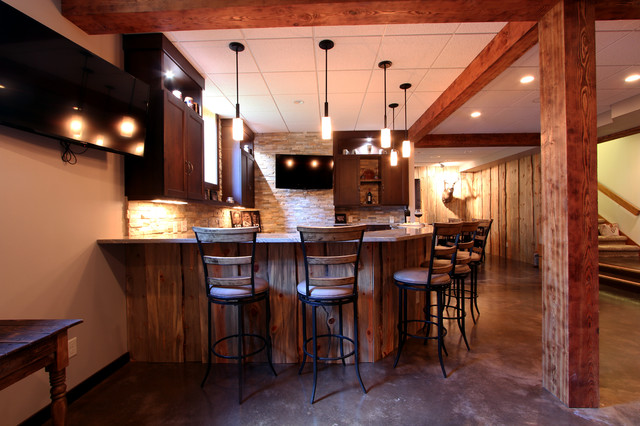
column 146, row 218
column 369, row 215
column 282, row 210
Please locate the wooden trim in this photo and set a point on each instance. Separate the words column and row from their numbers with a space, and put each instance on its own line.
column 478, row 139
column 507, row 46
column 619, row 200
column 620, row 134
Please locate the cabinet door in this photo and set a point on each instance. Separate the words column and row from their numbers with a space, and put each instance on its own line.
column 395, row 182
column 248, row 194
column 194, row 147
column 175, row 182
column 346, row 175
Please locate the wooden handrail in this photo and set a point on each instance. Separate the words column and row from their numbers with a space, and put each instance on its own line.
column 621, row 201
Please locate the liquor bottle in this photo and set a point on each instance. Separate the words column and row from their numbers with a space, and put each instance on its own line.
column 369, row 197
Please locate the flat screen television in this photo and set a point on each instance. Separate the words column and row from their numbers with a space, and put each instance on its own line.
column 51, row 86
column 304, row 171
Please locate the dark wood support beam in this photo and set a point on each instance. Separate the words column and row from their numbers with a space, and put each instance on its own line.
column 505, row 48
column 478, row 139
column 134, row 16
column 569, row 187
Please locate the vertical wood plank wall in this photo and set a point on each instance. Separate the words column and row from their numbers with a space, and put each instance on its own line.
column 508, row 193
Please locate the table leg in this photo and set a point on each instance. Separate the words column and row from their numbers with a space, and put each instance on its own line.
column 57, row 380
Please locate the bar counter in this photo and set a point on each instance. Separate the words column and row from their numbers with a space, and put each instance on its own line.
column 167, row 306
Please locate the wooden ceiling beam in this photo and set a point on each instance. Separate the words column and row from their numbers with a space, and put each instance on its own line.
column 134, row 16
column 506, row 47
column 478, row 140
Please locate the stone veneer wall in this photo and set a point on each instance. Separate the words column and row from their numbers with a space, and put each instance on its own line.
column 146, row 218
column 281, row 210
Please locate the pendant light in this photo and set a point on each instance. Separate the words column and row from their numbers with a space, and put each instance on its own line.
column 406, row 143
column 385, row 133
column 326, row 120
column 238, row 125
column 393, row 159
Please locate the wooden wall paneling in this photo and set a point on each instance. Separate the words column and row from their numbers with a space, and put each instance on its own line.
column 501, row 225
column 389, row 299
column 486, row 193
column 477, row 188
column 493, row 245
column 570, row 361
column 513, row 234
column 194, row 305
column 466, row 179
column 136, row 290
column 367, row 320
column 537, row 197
column 525, row 215
column 283, row 277
column 164, row 303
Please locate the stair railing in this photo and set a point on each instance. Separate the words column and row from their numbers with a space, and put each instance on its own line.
column 619, row 200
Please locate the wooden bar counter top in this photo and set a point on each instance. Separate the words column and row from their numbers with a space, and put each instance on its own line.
column 167, row 307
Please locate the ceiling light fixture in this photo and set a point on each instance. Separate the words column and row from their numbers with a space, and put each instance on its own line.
column 326, row 120
column 632, row 78
column 406, row 143
column 238, row 126
column 476, row 114
column 394, row 154
column 385, row 133
column 527, row 79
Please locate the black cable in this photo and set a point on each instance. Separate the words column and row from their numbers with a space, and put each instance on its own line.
column 68, row 156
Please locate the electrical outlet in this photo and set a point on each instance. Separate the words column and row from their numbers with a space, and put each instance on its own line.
column 73, row 347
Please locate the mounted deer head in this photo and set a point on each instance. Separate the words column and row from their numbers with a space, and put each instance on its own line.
column 447, row 194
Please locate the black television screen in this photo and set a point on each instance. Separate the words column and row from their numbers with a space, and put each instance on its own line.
column 304, row 171
column 51, row 86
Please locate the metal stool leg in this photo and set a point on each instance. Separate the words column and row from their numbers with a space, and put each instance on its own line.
column 341, row 334
column 401, row 335
column 240, row 349
column 315, row 352
column 462, row 311
column 440, row 302
column 303, row 309
column 268, row 331
column 208, row 345
column 355, row 341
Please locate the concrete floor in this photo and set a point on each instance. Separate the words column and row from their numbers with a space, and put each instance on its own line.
column 497, row 383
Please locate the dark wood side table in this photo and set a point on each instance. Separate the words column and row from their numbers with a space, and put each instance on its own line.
column 26, row 346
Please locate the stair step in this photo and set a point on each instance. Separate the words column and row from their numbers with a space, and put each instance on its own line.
column 623, row 250
column 619, row 282
column 611, row 239
column 630, row 273
column 601, row 221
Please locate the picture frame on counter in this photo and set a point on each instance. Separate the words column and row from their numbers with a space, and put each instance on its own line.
column 244, row 218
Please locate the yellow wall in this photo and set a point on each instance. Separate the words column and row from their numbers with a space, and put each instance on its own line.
column 52, row 214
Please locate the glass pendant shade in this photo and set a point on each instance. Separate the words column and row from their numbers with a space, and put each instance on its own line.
column 385, row 138
column 394, row 157
column 326, row 128
column 406, row 149
column 237, row 129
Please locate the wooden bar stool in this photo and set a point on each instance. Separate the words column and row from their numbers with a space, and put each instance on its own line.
column 436, row 278
column 477, row 259
column 331, row 280
column 230, row 279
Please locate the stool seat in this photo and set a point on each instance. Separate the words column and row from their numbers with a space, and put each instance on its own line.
column 325, row 292
column 236, row 292
column 457, row 270
column 420, row 276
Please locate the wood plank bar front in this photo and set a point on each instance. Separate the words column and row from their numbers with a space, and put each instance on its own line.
column 570, row 362
column 167, row 306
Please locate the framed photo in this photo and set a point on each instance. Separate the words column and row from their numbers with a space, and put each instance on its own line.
column 255, row 219
column 246, row 219
column 236, row 219
column 341, row 218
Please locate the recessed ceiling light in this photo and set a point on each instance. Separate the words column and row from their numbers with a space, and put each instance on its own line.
column 2, row 86
column 527, row 79
column 298, row 102
column 476, row 114
column 632, row 77
column 169, row 74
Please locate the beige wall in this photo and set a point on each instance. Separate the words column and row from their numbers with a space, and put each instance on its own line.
column 52, row 214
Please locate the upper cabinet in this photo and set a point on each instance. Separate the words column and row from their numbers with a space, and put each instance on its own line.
column 172, row 165
column 363, row 176
column 237, row 165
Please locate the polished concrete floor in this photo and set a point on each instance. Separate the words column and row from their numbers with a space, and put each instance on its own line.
column 497, row 383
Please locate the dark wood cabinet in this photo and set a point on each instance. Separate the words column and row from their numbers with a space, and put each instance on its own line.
column 394, row 189
column 172, row 166
column 346, row 181
column 237, row 166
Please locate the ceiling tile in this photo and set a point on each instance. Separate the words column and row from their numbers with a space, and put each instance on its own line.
column 213, row 57
column 438, row 79
column 248, row 84
column 619, row 53
column 412, row 51
column 265, row 122
column 480, row 27
column 287, row 105
column 629, row 25
column 284, row 83
column 349, row 53
column 461, row 50
column 250, row 104
column 293, row 54
column 344, row 82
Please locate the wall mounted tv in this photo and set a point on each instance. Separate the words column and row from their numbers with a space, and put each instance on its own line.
column 304, row 171
column 51, row 86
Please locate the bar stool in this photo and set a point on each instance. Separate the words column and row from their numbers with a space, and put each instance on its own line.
column 331, row 280
column 477, row 259
column 230, row 279
column 436, row 278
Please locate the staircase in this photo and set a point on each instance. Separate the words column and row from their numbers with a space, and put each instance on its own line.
column 619, row 264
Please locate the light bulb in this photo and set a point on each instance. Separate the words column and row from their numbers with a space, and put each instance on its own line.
column 127, row 127
column 238, row 129
column 406, row 148
column 394, row 157
column 326, row 128
column 385, row 138
column 76, row 126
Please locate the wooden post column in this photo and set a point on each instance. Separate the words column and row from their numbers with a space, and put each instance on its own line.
column 570, row 363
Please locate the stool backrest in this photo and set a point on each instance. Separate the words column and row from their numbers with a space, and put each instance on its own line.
column 444, row 233
column 222, row 267
column 467, row 239
column 484, row 227
column 328, row 263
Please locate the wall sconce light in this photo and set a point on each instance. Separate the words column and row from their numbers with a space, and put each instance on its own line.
column 237, row 129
